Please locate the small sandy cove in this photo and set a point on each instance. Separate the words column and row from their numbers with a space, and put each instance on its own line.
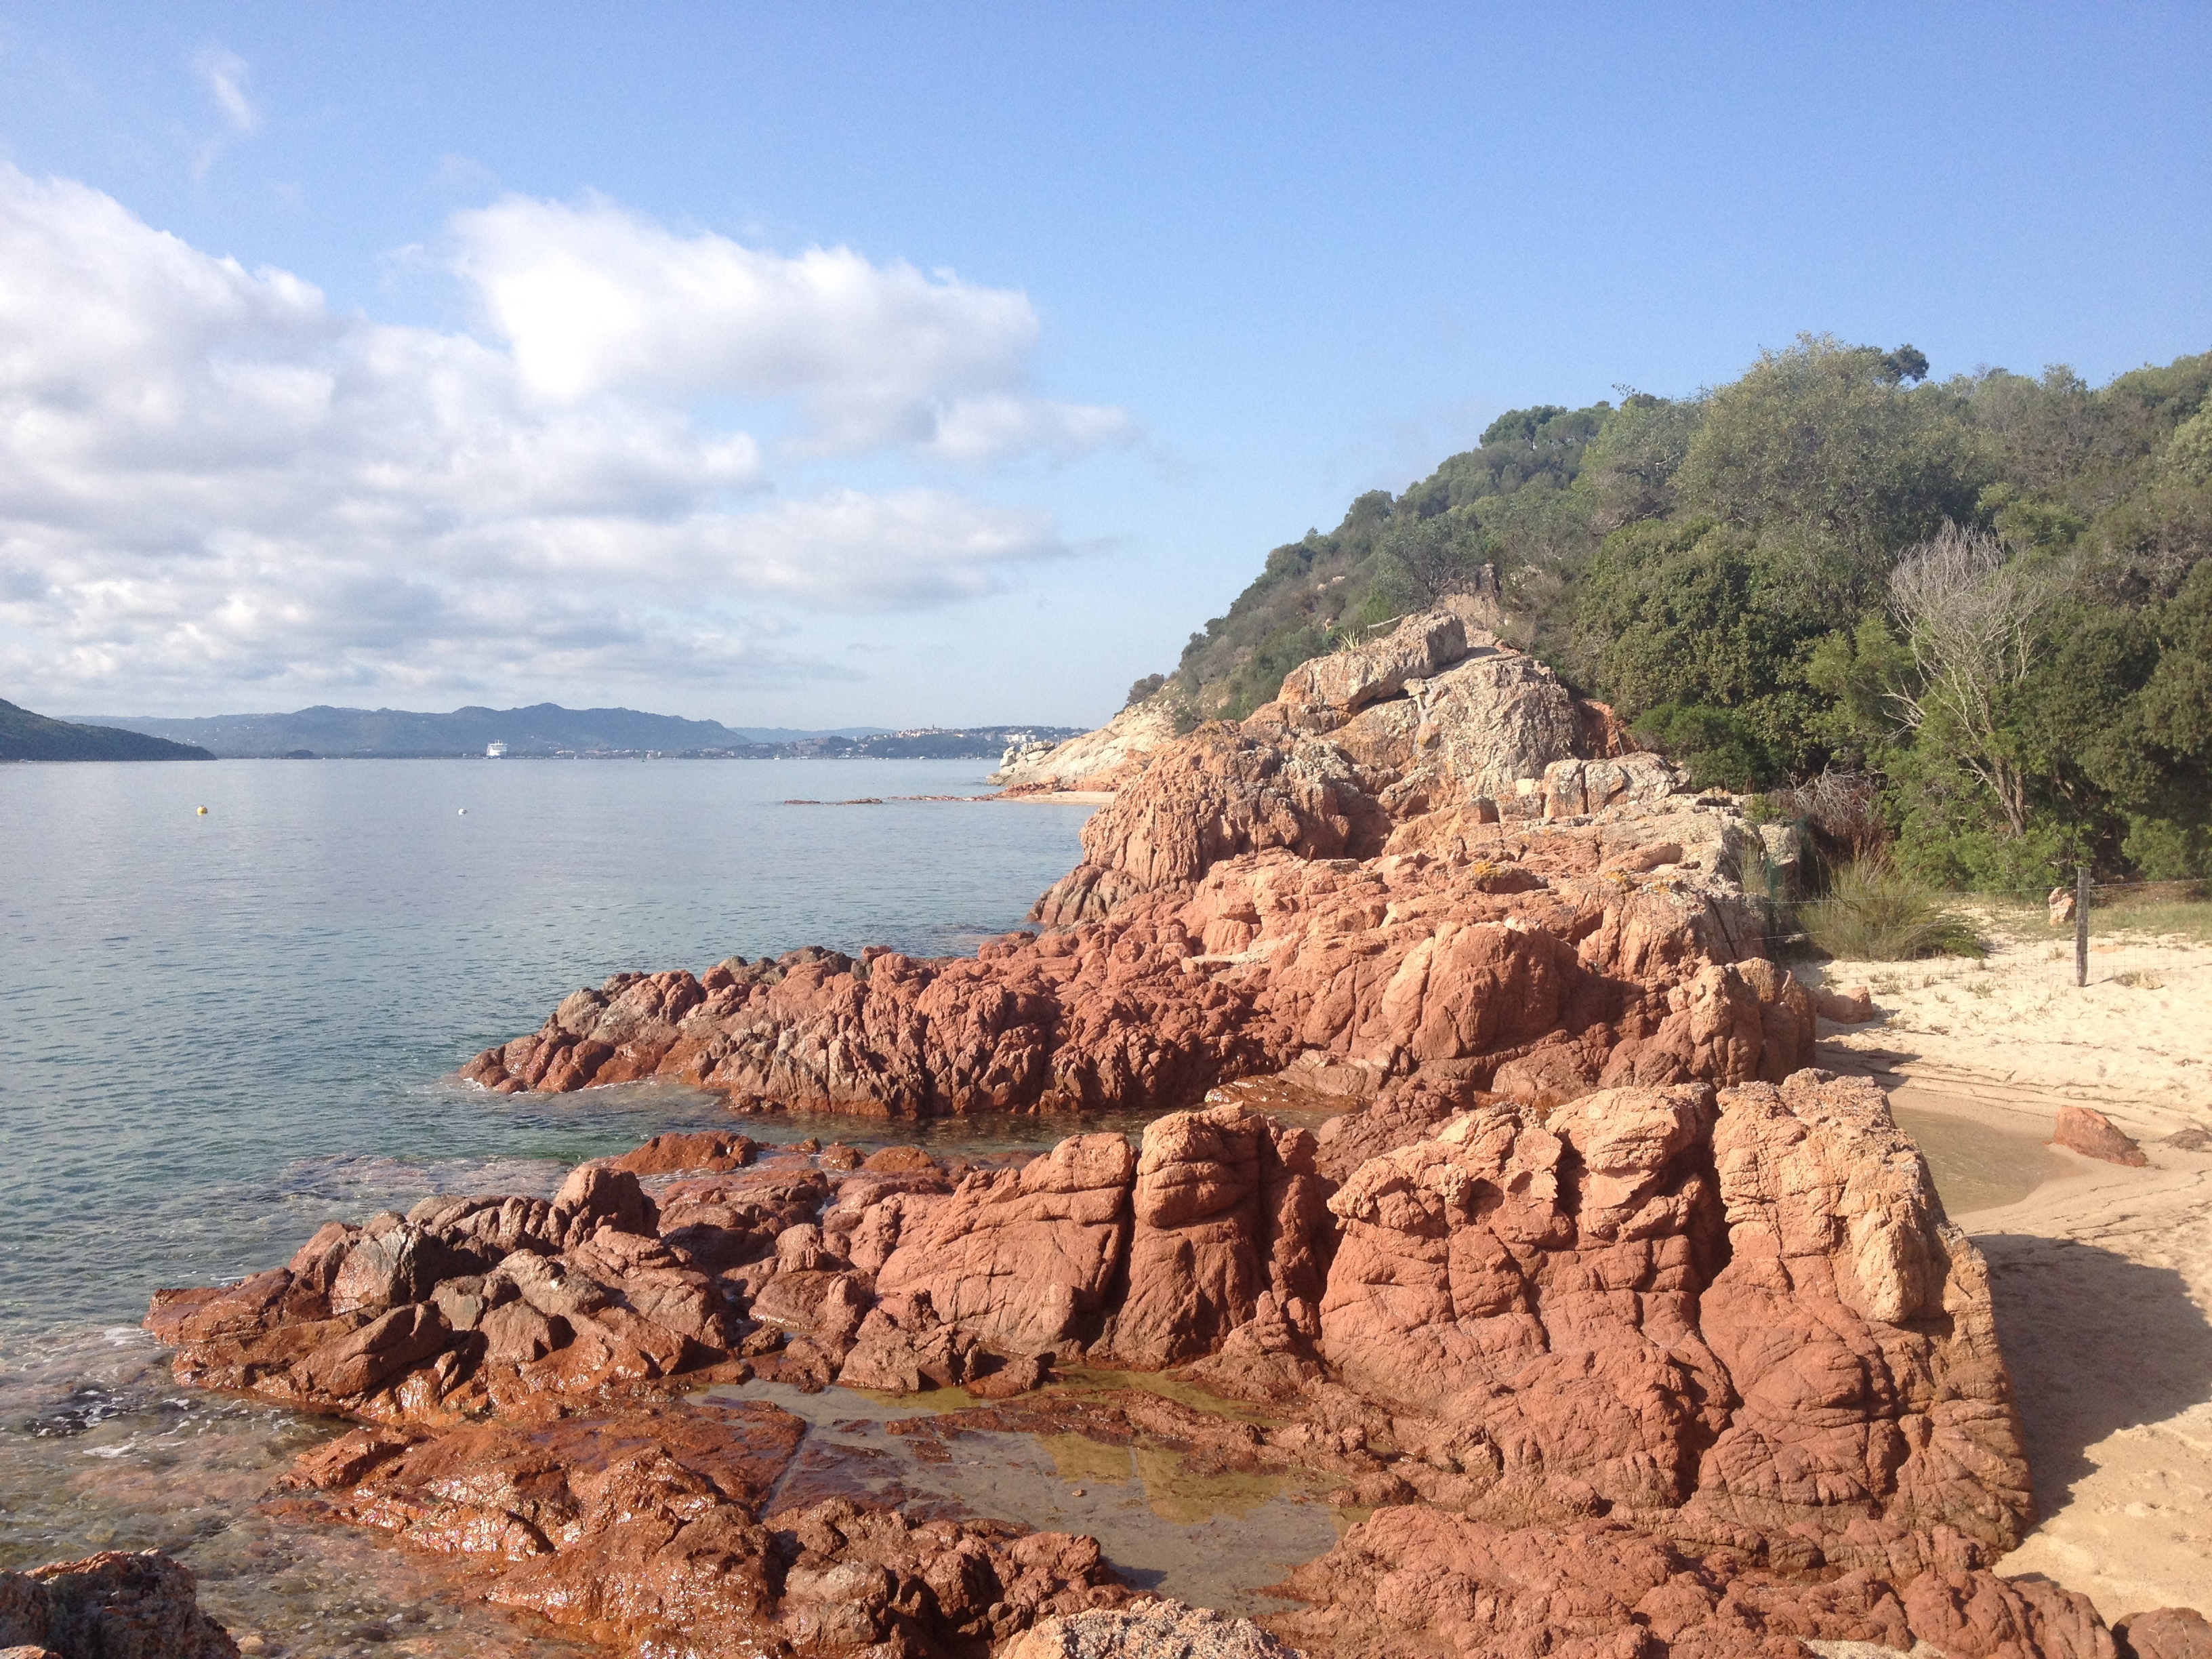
column 2103, row 1274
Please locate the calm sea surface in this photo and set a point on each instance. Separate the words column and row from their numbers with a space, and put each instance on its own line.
column 216, row 1032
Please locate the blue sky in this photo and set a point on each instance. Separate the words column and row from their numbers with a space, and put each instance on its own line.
column 813, row 365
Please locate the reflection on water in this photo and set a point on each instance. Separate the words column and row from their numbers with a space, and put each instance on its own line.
column 1976, row 1166
column 1206, row 1536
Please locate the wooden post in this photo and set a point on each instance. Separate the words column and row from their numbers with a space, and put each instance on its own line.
column 2081, row 924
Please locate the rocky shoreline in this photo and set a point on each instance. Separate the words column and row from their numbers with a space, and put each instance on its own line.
column 1609, row 1324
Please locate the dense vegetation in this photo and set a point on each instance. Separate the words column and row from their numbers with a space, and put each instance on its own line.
column 1977, row 612
column 28, row 737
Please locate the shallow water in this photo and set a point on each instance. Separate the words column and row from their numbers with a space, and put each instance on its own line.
column 1214, row 1539
column 99, row 1450
column 1974, row 1165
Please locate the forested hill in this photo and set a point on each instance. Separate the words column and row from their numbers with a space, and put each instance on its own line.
column 28, row 737
column 1979, row 608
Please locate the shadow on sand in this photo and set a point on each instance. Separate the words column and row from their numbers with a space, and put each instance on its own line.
column 2096, row 1343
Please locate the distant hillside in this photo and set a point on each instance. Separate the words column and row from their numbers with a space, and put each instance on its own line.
column 28, row 737
column 546, row 728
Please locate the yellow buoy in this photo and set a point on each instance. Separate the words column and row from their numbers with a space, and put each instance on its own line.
column 203, row 811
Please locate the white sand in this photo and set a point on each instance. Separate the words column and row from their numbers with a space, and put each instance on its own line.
column 2103, row 1276
column 2135, row 1043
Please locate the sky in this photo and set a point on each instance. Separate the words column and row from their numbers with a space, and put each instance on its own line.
column 914, row 364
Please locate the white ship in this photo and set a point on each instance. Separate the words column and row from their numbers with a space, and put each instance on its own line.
column 494, row 751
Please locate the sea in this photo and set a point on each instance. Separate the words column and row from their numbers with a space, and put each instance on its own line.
column 220, row 1028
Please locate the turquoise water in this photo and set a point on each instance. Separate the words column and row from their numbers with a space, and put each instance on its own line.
column 216, row 1032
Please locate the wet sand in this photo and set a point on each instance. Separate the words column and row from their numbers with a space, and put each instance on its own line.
column 2103, row 1289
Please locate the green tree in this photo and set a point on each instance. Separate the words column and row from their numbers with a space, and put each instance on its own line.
column 1818, row 448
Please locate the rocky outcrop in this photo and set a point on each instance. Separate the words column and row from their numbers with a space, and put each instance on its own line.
column 1112, row 757
column 1746, row 1313
column 651, row 1530
column 1708, row 1366
column 1424, row 858
column 2165, row 1633
column 110, row 1606
column 1467, row 952
column 1221, row 793
column 1414, row 1580
column 468, row 1305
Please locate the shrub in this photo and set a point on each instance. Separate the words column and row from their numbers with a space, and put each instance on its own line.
column 1875, row 913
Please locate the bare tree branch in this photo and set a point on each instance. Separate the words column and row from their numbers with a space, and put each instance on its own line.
column 1969, row 610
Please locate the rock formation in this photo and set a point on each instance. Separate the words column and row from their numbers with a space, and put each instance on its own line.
column 645, row 1531
column 1637, row 1336
column 1108, row 758
column 1345, row 879
column 1708, row 1367
column 110, row 1606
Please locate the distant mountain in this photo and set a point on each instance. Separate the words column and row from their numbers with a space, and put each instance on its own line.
column 28, row 737
column 545, row 728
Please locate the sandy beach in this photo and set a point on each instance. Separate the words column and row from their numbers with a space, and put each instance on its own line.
column 2103, row 1274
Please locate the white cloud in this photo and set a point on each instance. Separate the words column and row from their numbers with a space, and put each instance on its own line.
column 593, row 298
column 208, row 477
column 226, row 75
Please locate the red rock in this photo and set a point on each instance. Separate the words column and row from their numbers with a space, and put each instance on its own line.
column 1228, row 1207
column 1218, row 794
column 1015, row 1376
column 361, row 1361
column 2090, row 1132
column 1852, row 1007
column 645, row 1527
column 110, row 1606
column 675, row 1152
column 1600, row 1335
column 902, row 1346
column 1022, row 1259
column 899, row 1160
column 1975, row 1614
column 1230, row 932
column 597, row 1195
column 1416, row 1581
column 1723, row 1312
column 2165, row 1633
